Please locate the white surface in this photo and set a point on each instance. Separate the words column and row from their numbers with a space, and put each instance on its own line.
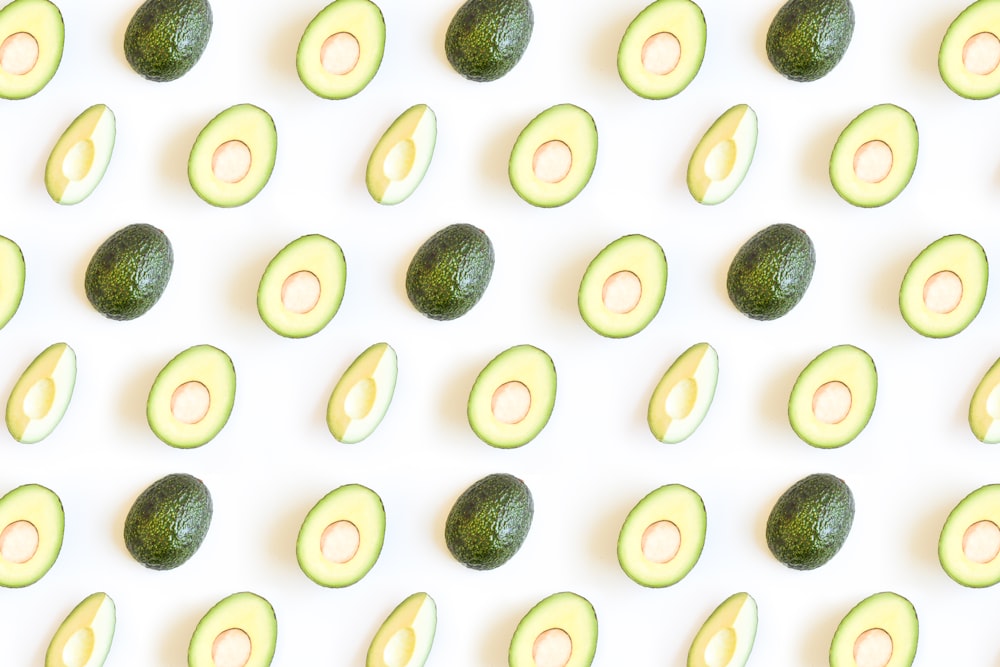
column 596, row 458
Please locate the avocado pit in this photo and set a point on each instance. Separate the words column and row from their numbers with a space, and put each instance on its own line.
column 19, row 53
column 552, row 161
column 340, row 53
column 552, row 648
column 231, row 161
column 832, row 402
column 873, row 161
column 660, row 53
column 340, row 541
column 511, row 402
column 661, row 541
column 231, row 648
column 981, row 53
column 621, row 292
column 190, row 402
column 873, row 648
column 943, row 292
column 981, row 541
column 18, row 542
column 300, row 292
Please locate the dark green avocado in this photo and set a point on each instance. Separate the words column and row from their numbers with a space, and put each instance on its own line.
column 450, row 272
column 489, row 521
column 486, row 38
column 770, row 273
column 166, row 38
column 129, row 271
column 168, row 521
column 810, row 521
column 807, row 38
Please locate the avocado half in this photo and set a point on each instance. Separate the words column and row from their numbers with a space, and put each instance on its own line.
column 32, row 35
column 561, row 629
column 662, row 49
column 883, row 628
column 969, row 55
column 240, row 629
column 969, row 544
column 12, row 275
column 341, row 49
column 32, row 524
column 983, row 413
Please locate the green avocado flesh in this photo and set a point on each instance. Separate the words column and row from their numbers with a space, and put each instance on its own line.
column 489, row 521
column 81, row 156
column 722, row 157
column 970, row 539
column 984, row 407
column 485, row 39
column 233, row 156
column 560, row 630
column 944, row 286
column 361, row 397
column 405, row 637
column 513, row 396
column 168, row 521
column 42, row 393
column 879, row 631
column 807, row 38
column 84, row 637
column 192, row 397
column 727, row 636
column 554, row 156
column 341, row 49
column 833, row 397
column 969, row 55
column 683, row 395
column 662, row 48
column 32, row 523
column 12, row 274
column 165, row 38
column 662, row 537
column 129, row 271
column 770, row 273
column 810, row 521
column 239, row 630
column 402, row 155
column 341, row 536
column 450, row 271
column 32, row 35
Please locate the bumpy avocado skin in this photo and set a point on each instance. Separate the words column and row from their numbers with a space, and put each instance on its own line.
column 810, row 521
column 165, row 38
column 168, row 521
column 129, row 271
column 489, row 521
column 807, row 38
column 486, row 38
column 770, row 273
column 450, row 272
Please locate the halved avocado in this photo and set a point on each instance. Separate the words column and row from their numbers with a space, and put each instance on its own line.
column 554, row 156
column 84, row 637
column 12, row 273
column 875, row 156
column 341, row 536
column 561, row 629
column 833, row 397
column 302, row 286
column 945, row 286
column 683, row 395
column 240, row 630
column 881, row 630
column 32, row 34
column 32, row 523
column 722, row 157
column 662, row 48
column 192, row 397
column 81, row 156
column 969, row 545
column 984, row 407
column 233, row 156
column 401, row 156
column 362, row 396
column 727, row 635
column 969, row 56
column 406, row 635
column 623, row 287
column 41, row 395
column 663, row 536
column 513, row 396
column 341, row 48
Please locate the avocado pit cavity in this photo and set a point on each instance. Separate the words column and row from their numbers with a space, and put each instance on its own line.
column 552, row 648
column 19, row 53
column 190, row 402
column 832, row 402
column 79, row 647
column 981, row 53
column 873, row 161
column 231, row 648
column 340, row 53
column 661, row 541
column 981, row 542
column 660, row 53
column 721, row 648
column 231, row 161
column 18, row 542
column 511, row 402
column 621, row 292
column 943, row 292
column 873, row 648
column 300, row 292
column 340, row 541
column 79, row 159
column 38, row 399
column 552, row 161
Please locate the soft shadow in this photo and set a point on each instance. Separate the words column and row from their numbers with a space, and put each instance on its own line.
column 455, row 399
column 604, row 51
column 885, row 295
column 132, row 399
column 931, row 32
column 175, row 156
column 494, row 161
column 286, row 531
column 604, row 534
column 774, row 400
column 816, row 643
column 243, row 285
column 285, row 44
column 176, row 637
column 496, row 643
column 821, row 144
column 564, row 290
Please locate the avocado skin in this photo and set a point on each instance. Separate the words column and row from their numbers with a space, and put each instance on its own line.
column 168, row 521
column 489, row 522
column 810, row 521
column 129, row 271
column 807, row 38
column 450, row 272
column 165, row 38
column 486, row 38
column 770, row 273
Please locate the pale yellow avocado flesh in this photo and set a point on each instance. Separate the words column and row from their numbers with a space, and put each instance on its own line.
column 561, row 629
column 42, row 394
column 722, row 157
column 84, row 638
column 341, row 48
column 405, row 637
column 969, row 56
column 240, row 630
column 341, row 537
column 682, row 397
column 727, row 635
column 879, row 631
column 81, row 156
column 32, row 36
column 32, row 525
column 969, row 544
column 12, row 273
column 984, row 408
column 662, row 49
column 402, row 155
column 362, row 396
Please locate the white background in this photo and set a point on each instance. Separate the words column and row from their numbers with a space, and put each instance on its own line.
column 596, row 458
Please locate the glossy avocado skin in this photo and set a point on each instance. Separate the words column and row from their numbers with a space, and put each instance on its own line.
column 807, row 38
column 450, row 272
column 129, row 271
column 810, row 521
column 486, row 38
column 489, row 522
column 165, row 38
column 770, row 273
column 168, row 521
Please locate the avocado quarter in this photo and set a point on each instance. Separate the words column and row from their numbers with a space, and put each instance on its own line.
column 164, row 39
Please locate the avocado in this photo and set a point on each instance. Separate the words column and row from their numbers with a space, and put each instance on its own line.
column 164, row 39
column 12, row 274
column 341, row 537
column 32, row 36
column 882, row 629
column 42, row 393
column 969, row 55
column 81, row 155
column 970, row 539
column 84, row 637
column 450, row 271
column 406, row 635
column 684, row 394
column 486, row 38
column 489, row 521
column 807, row 38
column 168, row 521
column 129, row 271
column 810, row 521
column 727, row 636
column 402, row 155
column 192, row 397
column 32, row 524
column 554, row 156
column 982, row 406
column 662, row 536
column 944, row 287
column 623, row 286
column 771, row 271
column 561, row 629
column 833, row 397
column 722, row 157
column 361, row 397
column 240, row 629
column 662, row 49
column 233, row 156
column 512, row 397
column 341, row 49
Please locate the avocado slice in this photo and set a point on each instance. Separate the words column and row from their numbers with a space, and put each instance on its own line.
column 168, row 521
column 341, row 49
column 192, row 397
column 810, row 521
column 81, row 155
column 406, row 636
column 722, row 157
column 561, row 629
column 983, row 407
column 402, row 155
column 833, row 397
column 361, row 397
column 12, row 274
column 771, row 271
column 450, row 271
column 554, row 156
column 969, row 55
column 489, row 521
column 241, row 629
column 662, row 536
column 164, row 39
column 233, row 156
column 970, row 539
column 129, row 271
column 42, row 393
column 808, row 38
column 32, row 35
column 662, row 48
column 84, row 637
column 513, row 396
column 341, row 537
column 875, row 156
column 32, row 523
column 485, row 39
column 684, row 394
column 727, row 635
column 882, row 630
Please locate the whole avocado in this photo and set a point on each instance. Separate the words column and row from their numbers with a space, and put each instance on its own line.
column 129, row 271
column 489, row 521
column 807, row 38
column 810, row 521
column 450, row 272
column 168, row 521
column 770, row 273
column 165, row 38
column 486, row 38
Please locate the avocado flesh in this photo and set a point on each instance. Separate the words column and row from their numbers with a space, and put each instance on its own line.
column 833, row 397
column 81, row 156
column 771, row 272
column 554, row 156
column 240, row 629
column 970, row 539
column 881, row 630
column 560, row 629
column 233, row 156
column 32, row 34
column 168, row 521
column 662, row 537
column 662, row 49
column 489, row 521
column 341, row 49
column 84, row 637
column 341, row 537
column 361, row 397
column 402, row 155
column 727, row 635
column 944, row 286
column 164, row 39
column 12, row 274
column 969, row 55
column 810, row 521
column 984, row 407
column 405, row 637
column 807, row 38
column 129, row 271
column 513, row 397
column 450, row 271
column 485, row 39
column 684, row 394
column 722, row 157
column 42, row 394
column 32, row 523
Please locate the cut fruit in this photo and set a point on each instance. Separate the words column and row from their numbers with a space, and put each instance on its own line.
column 984, row 407
column 722, row 157
column 12, row 273
column 240, row 630
column 662, row 49
column 40, row 397
column 969, row 56
column 401, row 156
column 970, row 539
column 32, row 35
column 81, row 156
column 362, row 396
column 879, row 631
column 684, row 394
column 341, row 49
column 32, row 524
column 727, row 635
column 84, row 637
column 406, row 636
column 559, row 631
column 341, row 537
